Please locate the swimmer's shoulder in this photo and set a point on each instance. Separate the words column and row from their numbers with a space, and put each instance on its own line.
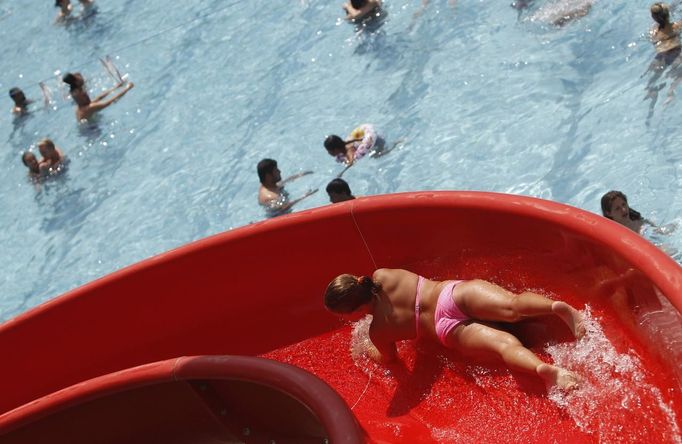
column 390, row 277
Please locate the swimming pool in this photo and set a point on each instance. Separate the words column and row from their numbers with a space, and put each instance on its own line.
column 485, row 100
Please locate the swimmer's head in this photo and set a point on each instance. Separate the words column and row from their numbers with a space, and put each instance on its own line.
column 660, row 13
column 339, row 191
column 29, row 159
column 18, row 96
column 268, row 171
column 614, row 206
column 75, row 80
column 346, row 293
column 47, row 148
column 335, row 145
column 357, row 4
column 62, row 3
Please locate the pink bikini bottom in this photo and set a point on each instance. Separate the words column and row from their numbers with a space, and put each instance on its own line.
column 447, row 315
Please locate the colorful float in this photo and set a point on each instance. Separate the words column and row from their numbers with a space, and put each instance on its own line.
column 226, row 339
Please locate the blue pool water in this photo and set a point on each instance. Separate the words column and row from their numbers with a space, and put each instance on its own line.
column 485, row 99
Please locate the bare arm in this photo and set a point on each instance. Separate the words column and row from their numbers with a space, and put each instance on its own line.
column 290, row 204
column 97, row 106
column 107, row 92
column 294, row 177
column 381, row 350
column 278, row 205
column 338, row 176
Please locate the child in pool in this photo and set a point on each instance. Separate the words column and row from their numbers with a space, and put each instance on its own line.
column 360, row 142
column 35, row 172
column 614, row 206
column 404, row 306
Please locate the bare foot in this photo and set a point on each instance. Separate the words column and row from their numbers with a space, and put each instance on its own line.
column 553, row 375
column 571, row 317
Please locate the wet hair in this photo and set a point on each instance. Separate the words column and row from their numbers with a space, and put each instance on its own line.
column 334, row 143
column 607, row 202
column 14, row 92
column 58, row 2
column 346, row 293
column 265, row 167
column 47, row 142
column 660, row 13
column 338, row 186
column 25, row 156
column 74, row 81
column 357, row 4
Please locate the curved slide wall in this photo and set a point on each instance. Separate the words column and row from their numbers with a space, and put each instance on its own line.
column 258, row 288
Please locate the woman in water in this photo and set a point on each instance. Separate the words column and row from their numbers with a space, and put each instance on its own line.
column 404, row 306
column 361, row 141
column 665, row 36
column 85, row 106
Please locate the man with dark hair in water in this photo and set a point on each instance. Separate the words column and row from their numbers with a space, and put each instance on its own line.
column 20, row 101
column 271, row 193
column 339, row 191
column 357, row 10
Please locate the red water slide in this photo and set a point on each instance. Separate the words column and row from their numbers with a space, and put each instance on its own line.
column 257, row 291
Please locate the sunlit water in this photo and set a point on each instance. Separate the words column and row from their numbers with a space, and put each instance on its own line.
column 484, row 98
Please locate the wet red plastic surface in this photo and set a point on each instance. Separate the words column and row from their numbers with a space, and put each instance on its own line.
column 436, row 396
column 257, row 291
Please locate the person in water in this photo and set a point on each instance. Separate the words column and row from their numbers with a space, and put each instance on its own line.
column 65, row 8
column 20, row 101
column 614, row 206
column 358, row 10
column 53, row 157
column 85, row 106
column 271, row 193
column 665, row 35
column 405, row 306
column 360, row 142
column 35, row 172
column 339, row 191
column 75, row 80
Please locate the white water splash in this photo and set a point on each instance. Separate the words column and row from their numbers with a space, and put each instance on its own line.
column 613, row 389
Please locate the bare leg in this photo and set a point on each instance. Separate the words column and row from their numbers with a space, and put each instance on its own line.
column 479, row 337
column 486, row 301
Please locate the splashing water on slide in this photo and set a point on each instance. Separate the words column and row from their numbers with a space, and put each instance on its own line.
column 457, row 401
column 614, row 385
